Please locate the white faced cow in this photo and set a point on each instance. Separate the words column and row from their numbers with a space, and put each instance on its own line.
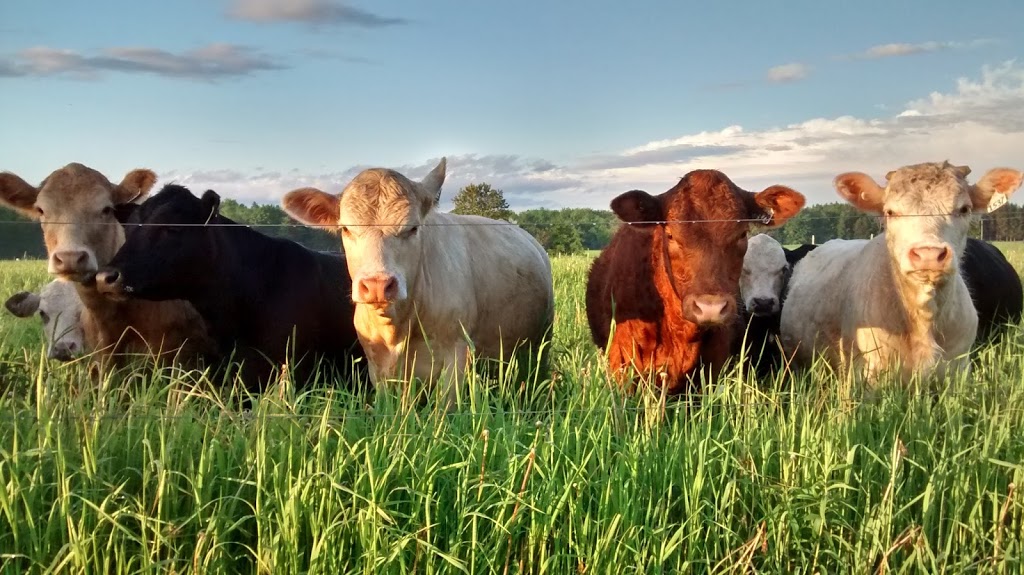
column 897, row 301
column 764, row 275
column 60, row 310
column 423, row 280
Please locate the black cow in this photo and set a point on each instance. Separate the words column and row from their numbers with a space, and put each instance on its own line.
column 994, row 285
column 265, row 299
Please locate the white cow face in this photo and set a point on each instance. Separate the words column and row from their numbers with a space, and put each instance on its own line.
column 60, row 310
column 380, row 216
column 763, row 276
column 927, row 210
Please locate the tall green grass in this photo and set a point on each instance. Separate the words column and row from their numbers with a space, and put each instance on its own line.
column 158, row 471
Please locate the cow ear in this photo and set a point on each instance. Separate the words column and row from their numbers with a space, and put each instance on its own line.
column 211, row 203
column 776, row 204
column 124, row 211
column 135, row 185
column 860, row 190
column 431, row 184
column 638, row 207
column 313, row 208
column 18, row 194
column 994, row 189
column 23, row 304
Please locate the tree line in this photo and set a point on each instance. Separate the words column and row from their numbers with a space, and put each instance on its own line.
column 563, row 231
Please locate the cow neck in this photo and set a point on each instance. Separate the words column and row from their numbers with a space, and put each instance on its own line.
column 235, row 296
column 667, row 262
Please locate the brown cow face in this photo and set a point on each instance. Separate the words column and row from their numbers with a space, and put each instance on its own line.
column 76, row 207
column 380, row 215
column 927, row 210
column 699, row 231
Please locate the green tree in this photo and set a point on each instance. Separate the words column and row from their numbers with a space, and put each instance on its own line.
column 482, row 200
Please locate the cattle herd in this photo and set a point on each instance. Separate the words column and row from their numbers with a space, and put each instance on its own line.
column 680, row 289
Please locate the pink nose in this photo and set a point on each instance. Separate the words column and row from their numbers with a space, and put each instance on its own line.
column 931, row 258
column 376, row 289
column 70, row 261
column 709, row 309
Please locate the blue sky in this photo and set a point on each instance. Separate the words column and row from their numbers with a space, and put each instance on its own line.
column 558, row 103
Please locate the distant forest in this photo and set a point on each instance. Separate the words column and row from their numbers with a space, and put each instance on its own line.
column 568, row 230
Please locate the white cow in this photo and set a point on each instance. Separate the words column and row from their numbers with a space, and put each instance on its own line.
column 423, row 280
column 60, row 310
column 897, row 301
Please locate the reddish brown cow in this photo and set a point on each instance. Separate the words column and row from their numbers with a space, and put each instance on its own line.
column 672, row 286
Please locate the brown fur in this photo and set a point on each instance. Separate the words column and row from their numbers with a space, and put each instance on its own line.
column 74, row 206
column 648, row 269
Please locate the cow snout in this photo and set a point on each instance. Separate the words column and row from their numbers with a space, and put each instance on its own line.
column 764, row 306
column 63, row 351
column 931, row 258
column 109, row 281
column 70, row 262
column 709, row 309
column 380, row 288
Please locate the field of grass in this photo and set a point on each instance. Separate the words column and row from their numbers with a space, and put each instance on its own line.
column 155, row 471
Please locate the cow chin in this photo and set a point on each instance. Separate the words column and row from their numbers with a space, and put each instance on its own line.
column 931, row 278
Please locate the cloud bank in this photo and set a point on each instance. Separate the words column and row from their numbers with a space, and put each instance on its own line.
column 315, row 12
column 209, row 62
column 979, row 122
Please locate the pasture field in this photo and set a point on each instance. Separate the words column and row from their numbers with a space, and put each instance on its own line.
column 158, row 471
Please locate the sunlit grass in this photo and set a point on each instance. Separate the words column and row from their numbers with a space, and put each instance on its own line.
column 158, row 471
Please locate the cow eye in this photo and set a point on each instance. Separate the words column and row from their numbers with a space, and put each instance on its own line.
column 108, row 211
column 965, row 209
column 39, row 210
column 889, row 213
column 345, row 232
column 44, row 316
column 410, row 232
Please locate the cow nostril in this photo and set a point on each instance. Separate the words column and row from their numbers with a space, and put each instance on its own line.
column 111, row 277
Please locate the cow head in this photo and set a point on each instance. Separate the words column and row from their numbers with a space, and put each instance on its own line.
column 379, row 215
column 764, row 275
column 927, row 210
column 162, row 259
column 76, row 206
column 700, row 230
column 60, row 310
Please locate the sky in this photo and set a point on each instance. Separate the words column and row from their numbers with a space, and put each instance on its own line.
column 562, row 103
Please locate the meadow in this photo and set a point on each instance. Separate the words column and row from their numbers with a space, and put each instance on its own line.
column 159, row 471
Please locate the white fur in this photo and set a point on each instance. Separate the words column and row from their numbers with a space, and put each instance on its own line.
column 60, row 310
column 764, row 271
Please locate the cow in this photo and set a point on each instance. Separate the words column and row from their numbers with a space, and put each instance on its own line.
column 268, row 300
column 60, row 310
column 669, row 278
column 896, row 303
column 995, row 288
column 78, row 209
column 763, row 286
column 429, row 285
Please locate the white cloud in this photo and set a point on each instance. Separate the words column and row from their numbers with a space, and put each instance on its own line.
column 907, row 49
column 318, row 12
column 206, row 62
column 788, row 72
column 980, row 122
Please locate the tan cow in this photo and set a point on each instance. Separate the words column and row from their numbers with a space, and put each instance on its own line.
column 423, row 280
column 76, row 207
column 897, row 301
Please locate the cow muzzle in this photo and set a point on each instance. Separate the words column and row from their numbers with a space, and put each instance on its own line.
column 763, row 306
column 111, row 282
column 376, row 289
column 71, row 263
column 930, row 263
column 709, row 309
column 64, row 351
